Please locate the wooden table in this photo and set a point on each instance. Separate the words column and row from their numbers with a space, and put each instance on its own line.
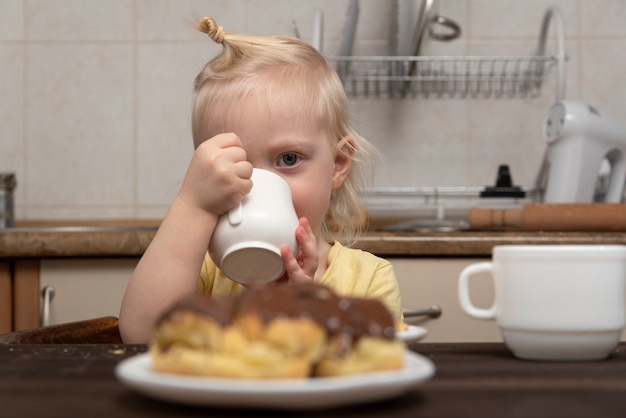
column 472, row 380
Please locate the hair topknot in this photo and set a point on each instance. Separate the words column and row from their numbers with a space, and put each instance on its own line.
column 211, row 28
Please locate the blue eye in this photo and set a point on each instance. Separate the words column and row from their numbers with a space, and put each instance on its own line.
column 289, row 160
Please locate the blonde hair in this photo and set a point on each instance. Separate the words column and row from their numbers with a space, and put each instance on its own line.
column 277, row 64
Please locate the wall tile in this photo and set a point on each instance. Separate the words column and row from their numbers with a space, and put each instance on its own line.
column 603, row 72
column 415, row 138
column 11, row 20
column 159, row 20
column 508, row 131
column 12, row 115
column 11, row 111
column 280, row 20
column 165, row 145
column 79, row 212
column 602, row 18
column 97, row 94
column 80, row 132
column 515, row 18
column 497, row 138
column 79, row 20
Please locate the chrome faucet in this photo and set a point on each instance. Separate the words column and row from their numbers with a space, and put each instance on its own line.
column 7, row 185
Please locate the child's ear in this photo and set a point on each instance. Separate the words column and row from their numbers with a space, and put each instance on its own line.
column 343, row 161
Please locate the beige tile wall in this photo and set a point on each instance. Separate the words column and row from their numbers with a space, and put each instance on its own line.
column 94, row 116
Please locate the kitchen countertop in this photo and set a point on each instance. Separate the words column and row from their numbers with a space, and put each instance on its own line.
column 131, row 238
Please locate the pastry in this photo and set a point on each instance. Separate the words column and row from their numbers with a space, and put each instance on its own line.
column 277, row 331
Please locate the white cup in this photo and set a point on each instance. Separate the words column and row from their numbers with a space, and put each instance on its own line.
column 247, row 239
column 554, row 302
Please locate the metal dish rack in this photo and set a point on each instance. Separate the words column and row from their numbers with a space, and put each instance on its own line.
column 464, row 77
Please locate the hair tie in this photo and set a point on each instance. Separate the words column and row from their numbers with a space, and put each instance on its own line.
column 217, row 34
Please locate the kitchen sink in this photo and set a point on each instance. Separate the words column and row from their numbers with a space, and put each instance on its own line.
column 417, row 209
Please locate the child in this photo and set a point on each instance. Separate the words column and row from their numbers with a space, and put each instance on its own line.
column 272, row 103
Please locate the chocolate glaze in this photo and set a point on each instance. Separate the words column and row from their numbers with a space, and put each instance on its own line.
column 344, row 317
column 220, row 309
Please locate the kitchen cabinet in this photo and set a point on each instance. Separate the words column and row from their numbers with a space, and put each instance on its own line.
column 92, row 287
column 19, row 294
column 6, row 297
column 85, row 287
column 80, row 288
column 433, row 281
column 25, row 293
column 90, row 266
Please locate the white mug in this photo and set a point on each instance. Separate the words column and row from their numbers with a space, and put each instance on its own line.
column 246, row 241
column 554, row 302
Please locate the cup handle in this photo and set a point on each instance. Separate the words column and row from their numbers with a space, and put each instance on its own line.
column 464, row 293
column 235, row 215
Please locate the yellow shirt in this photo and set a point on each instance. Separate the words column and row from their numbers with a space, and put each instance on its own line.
column 350, row 272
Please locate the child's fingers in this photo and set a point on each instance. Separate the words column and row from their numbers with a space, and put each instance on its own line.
column 292, row 267
column 308, row 257
column 302, row 268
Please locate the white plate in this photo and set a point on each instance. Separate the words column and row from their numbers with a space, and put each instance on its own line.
column 411, row 334
column 315, row 393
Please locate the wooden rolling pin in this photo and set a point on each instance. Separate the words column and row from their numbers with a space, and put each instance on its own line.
column 552, row 217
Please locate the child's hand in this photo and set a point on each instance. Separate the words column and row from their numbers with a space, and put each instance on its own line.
column 218, row 176
column 302, row 268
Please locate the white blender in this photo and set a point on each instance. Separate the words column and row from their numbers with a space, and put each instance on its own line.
column 581, row 144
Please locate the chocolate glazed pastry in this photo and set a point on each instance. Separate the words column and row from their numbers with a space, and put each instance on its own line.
column 283, row 331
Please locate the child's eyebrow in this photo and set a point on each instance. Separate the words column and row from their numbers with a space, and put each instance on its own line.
column 289, row 141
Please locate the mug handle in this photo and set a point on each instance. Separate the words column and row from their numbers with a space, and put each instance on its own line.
column 464, row 293
column 235, row 215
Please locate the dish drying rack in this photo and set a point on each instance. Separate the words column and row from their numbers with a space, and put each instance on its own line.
column 464, row 77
